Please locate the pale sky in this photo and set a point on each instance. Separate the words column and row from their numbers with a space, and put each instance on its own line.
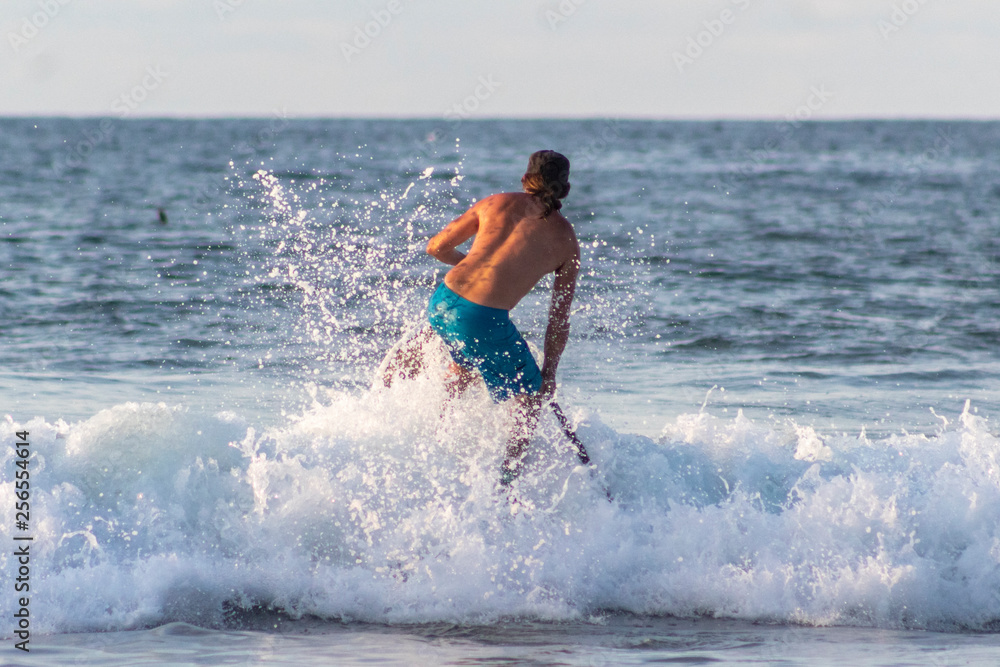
column 530, row 58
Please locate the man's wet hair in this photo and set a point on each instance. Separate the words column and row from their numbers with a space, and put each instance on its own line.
column 547, row 178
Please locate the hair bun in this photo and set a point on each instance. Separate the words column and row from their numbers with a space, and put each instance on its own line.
column 547, row 178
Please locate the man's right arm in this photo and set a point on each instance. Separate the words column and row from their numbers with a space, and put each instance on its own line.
column 443, row 245
column 557, row 331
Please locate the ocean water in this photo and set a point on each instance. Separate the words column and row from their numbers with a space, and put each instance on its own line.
column 783, row 363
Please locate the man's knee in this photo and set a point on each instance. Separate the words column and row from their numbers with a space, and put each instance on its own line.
column 529, row 404
column 460, row 380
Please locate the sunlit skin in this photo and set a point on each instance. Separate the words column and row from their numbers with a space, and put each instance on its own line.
column 514, row 247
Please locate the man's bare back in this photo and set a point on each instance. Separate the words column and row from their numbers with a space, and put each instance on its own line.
column 514, row 248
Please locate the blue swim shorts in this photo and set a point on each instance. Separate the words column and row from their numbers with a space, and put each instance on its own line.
column 484, row 339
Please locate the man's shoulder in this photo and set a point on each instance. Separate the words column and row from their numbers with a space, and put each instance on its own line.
column 571, row 241
column 502, row 198
column 501, row 206
column 565, row 225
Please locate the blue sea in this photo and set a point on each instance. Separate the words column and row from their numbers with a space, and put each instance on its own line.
column 783, row 363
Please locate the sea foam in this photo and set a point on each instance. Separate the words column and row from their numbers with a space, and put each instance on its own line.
column 383, row 506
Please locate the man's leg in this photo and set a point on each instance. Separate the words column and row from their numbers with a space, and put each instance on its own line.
column 460, row 380
column 526, row 409
column 408, row 360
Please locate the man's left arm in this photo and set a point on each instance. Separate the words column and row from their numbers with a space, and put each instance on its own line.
column 557, row 331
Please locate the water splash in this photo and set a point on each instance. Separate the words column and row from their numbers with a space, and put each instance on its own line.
column 383, row 506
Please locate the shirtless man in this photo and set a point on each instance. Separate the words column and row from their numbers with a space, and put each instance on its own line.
column 520, row 237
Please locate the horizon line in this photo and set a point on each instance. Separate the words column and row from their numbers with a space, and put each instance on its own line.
column 480, row 119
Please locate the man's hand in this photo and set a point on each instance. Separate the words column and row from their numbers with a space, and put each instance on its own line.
column 548, row 389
